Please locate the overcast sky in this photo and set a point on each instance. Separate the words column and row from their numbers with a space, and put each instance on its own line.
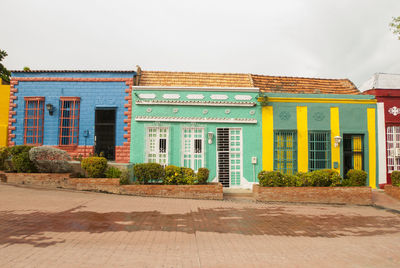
column 311, row 38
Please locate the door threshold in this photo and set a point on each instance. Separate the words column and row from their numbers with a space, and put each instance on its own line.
column 230, row 190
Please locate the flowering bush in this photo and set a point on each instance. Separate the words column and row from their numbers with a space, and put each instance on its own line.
column 48, row 159
column 173, row 175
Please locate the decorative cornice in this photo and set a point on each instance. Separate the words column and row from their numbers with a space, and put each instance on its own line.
column 195, row 103
column 319, row 100
column 196, row 119
column 226, row 89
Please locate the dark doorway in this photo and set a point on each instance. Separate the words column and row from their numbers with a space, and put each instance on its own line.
column 353, row 152
column 223, row 156
column 105, row 133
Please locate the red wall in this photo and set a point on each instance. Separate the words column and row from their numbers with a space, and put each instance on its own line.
column 390, row 98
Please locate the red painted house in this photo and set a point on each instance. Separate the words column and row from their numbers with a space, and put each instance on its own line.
column 386, row 88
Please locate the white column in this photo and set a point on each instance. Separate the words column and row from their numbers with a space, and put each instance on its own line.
column 381, row 143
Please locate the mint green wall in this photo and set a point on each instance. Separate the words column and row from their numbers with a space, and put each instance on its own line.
column 251, row 133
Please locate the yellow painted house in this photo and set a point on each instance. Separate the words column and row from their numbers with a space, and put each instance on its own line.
column 310, row 124
column 4, row 103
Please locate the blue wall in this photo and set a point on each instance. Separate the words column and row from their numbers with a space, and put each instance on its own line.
column 93, row 95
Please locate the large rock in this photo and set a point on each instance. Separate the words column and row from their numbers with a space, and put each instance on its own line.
column 50, row 160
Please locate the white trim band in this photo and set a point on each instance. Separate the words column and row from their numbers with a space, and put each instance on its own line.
column 196, row 119
column 195, row 103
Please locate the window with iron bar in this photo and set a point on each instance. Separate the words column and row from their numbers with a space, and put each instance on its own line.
column 192, row 147
column 157, row 145
column 285, row 151
column 34, row 120
column 319, row 150
column 69, row 121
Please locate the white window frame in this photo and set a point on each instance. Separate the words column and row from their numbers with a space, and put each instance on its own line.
column 159, row 157
column 392, row 142
column 192, row 155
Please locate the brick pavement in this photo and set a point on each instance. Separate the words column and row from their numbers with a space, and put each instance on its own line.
column 48, row 228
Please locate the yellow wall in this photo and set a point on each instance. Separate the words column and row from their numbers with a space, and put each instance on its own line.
column 335, row 131
column 268, row 138
column 4, row 103
column 372, row 146
column 302, row 139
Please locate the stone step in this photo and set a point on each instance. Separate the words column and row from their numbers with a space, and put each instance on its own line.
column 239, row 196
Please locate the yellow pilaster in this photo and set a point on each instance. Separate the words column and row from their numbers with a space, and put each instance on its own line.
column 4, row 103
column 268, row 138
column 302, row 139
column 371, row 147
column 335, row 131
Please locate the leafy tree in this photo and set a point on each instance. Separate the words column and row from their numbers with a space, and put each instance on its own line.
column 4, row 73
column 395, row 26
column 27, row 69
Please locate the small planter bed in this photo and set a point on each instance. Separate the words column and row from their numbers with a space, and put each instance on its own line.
column 394, row 189
column 204, row 191
column 321, row 186
column 52, row 180
column 326, row 195
column 107, row 185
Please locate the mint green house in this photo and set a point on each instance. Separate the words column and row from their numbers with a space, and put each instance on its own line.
column 177, row 120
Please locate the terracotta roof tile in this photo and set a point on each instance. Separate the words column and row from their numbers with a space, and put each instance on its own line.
column 191, row 79
column 281, row 84
column 284, row 84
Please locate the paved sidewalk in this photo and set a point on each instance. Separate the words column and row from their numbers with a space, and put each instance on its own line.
column 382, row 200
column 52, row 228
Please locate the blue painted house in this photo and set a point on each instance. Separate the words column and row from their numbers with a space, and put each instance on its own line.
column 81, row 112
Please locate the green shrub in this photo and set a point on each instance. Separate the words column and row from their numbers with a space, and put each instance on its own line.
column 124, row 178
column 356, row 177
column 94, row 166
column 304, row 179
column 4, row 155
column 148, row 172
column 22, row 163
column 18, row 149
column 113, row 172
column 290, row 180
column 321, row 178
column 270, row 178
column 395, row 178
column 325, row 178
column 202, row 175
column 20, row 159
